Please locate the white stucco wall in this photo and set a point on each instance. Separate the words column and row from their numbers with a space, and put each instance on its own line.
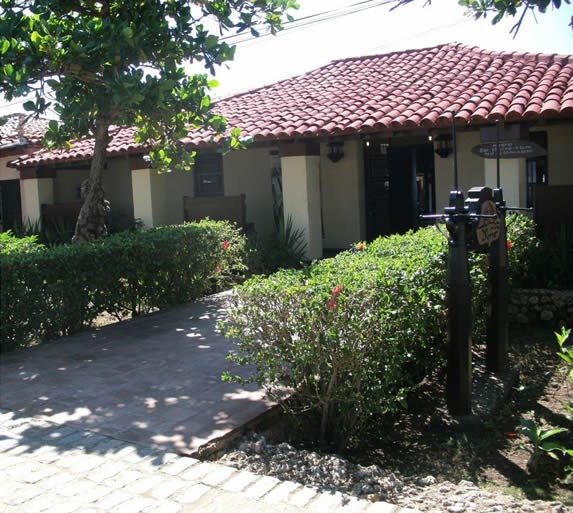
column 512, row 179
column 34, row 192
column 470, row 169
column 342, row 185
column 248, row 172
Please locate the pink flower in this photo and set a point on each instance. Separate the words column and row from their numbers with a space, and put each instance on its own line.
column 360, row 247
column 509, row 244
column 218, row 268
column 332, row 303
column 225, row 244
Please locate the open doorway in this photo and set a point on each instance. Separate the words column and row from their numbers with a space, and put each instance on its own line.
column 399, row 184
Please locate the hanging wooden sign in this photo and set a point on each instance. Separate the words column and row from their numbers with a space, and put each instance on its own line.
column 509, row 150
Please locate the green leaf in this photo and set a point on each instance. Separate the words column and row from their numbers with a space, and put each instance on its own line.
column 35, row 37
column 29, row 105
column 5, row 46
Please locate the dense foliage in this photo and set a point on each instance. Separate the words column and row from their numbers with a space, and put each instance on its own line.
column 9, row 243
column 353, row 334
column 48, row 293
column 122, row 63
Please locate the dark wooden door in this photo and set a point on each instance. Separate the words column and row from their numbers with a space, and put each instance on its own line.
column 10, row 206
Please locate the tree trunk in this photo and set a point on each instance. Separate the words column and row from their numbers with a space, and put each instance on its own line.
column 91, row 219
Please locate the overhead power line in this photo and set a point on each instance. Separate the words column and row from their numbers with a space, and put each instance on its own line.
column 313, row 19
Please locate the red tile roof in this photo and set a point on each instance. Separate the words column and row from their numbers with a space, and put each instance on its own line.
column 20, row 128
column 399, row 90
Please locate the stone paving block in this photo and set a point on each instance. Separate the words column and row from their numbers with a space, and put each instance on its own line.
column 46, row 454
column 37, row 505
column 114, row 499
column 7, row 444
column 191, row 493
column 96, row 493
column 63, row 505
column 219, row 475
column 197, row 472
column 178, row 466
column 126, row 477
column 107, row 445
column 261, row 486
column 31, row 472
column 19, row 450
column 353, row 505
column 164, row 507
column 166, row 489
column 21, row 495
column 56, row 481
column 382, row 507
column 239, row 481
column 75, row 487
column 146, row 483
column 302, row 497
column 80, row 463
column 326, row 502
column 106, row 471
column 281, row 492
column 134, row 505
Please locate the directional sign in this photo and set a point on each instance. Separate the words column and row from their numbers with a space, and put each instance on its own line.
column 509, row 150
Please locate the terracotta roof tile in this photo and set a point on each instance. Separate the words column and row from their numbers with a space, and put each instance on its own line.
column 408, row 89
column 20, row 128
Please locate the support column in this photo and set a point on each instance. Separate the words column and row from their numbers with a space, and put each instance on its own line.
column 149, row 197
column 300, row 165
column 35, row 192
column 512, row 177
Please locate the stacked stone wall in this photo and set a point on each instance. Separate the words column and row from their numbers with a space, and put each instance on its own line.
column 533, row 305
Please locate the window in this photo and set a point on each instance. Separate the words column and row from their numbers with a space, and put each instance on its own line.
column 536, row 168
column 208, row 172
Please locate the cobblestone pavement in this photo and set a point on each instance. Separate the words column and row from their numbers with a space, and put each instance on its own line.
column 52, row 468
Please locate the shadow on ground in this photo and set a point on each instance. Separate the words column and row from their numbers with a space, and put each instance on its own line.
column 153, row 381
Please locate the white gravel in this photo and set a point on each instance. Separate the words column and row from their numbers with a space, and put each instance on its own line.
column 331, row 472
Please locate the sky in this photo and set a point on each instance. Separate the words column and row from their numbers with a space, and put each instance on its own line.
column 376, row 30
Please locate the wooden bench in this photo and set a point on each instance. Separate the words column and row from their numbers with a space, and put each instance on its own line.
column 218, row 208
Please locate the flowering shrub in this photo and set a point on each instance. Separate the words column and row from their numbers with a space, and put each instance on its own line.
column 351, row 334
column 62, row 289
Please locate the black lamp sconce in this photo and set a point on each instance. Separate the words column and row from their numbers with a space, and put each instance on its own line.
column 443, row 145
column 335, row 151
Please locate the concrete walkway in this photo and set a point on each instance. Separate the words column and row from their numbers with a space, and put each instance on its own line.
column 154, row 380
column 104, row 421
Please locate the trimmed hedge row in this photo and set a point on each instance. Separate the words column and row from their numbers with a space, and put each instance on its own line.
column 60, row 290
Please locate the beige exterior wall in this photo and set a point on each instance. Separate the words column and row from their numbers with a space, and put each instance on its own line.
column 512, row 179
column 559, row 153
column 178, row 184
column 342, row 185
column 470, row 169
column 8, row 173
column 248, row 172
column 301, row 196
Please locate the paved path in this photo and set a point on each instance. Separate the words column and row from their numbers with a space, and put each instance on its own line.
column 154, row 380
column 50, row 468
column 104, row 421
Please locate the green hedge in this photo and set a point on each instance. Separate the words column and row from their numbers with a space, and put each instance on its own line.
column 60, row 290
column 352, row 335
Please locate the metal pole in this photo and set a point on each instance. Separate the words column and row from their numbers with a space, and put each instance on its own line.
column 497, row 151
column 456, row 182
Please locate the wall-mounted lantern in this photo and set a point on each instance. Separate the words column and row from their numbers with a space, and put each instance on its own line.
column 442, row 145
column 335, row 150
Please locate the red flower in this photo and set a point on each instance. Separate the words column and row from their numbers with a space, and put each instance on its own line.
column 509, row 244
column 332, row 303
column 511, row 435
column 360, row 247
column 225, row 244
column 337, row 290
